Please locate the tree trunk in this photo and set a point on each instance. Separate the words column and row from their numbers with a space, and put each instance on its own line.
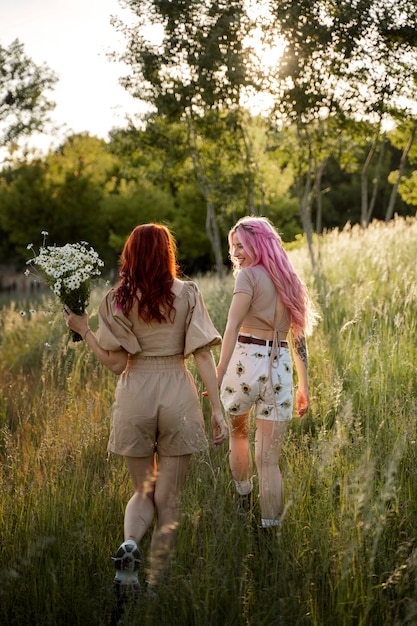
column 376, row 183
column 250, row 165
column 304, row 203
column 319, row 195
column 212, row 227
column 213, row 234
column 391, row 204
column 364, row 186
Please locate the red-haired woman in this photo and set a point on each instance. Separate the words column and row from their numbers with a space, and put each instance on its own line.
column 148, row 325
column 255, row 368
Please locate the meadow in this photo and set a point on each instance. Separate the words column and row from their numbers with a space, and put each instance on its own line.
column 346, row 553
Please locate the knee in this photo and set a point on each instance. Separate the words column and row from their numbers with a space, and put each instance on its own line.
column 239, row 426
column 265, row 460
column 166, row 506
column 143, row 497
column 238, row 433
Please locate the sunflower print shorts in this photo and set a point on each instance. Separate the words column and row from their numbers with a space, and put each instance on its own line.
column 247, row 383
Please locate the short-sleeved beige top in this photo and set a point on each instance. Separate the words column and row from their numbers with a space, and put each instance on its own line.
column 267, row 311
column 192, row 329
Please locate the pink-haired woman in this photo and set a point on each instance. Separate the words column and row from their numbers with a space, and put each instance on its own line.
column 270, row 305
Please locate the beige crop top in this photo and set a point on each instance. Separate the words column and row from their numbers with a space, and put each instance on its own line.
column 192, row 329
column 266, row 312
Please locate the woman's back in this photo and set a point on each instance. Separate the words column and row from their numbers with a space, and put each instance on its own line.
column 189, row 330
column 267, row 311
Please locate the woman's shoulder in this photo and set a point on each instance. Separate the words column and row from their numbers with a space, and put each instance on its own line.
column 183, row 288
column 249, row 274
column 252, row 271
column 256, row 278
column 110, row 297
column 259, row 273
column 109, row 304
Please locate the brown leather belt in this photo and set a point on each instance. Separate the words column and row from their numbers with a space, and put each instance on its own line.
column 261, row 342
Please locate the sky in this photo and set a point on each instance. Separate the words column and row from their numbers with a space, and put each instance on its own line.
column 72, row 37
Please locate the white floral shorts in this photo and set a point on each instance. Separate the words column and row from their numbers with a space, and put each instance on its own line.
column 247, row 383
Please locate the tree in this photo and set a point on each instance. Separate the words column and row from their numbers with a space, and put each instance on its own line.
column 24, row 106
column 158, row 156
column 403, row 137
column 304, row 97
column 61, row 194
column 195, row 74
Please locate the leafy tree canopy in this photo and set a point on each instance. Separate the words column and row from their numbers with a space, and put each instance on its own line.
column 24, row 105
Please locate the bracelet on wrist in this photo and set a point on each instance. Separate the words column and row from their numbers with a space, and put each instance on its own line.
column 86, row 332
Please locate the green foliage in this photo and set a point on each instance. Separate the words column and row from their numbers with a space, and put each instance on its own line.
column 188, row 226
column 197, row 79
column 137, row 204
column 204, row 67
column 200, row 157
column 345, row 553
column 26, row 205
column 24, row 105
column 61, row 194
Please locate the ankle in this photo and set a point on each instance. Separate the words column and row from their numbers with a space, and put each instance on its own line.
column 243, row 487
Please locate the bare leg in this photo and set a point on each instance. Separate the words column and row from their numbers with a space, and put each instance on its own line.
column 268, row 444
column 138, row 517
column 240, row 455
column 169, row 483
column 140, row 509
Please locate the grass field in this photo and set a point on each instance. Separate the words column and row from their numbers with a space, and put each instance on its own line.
column 346, row 553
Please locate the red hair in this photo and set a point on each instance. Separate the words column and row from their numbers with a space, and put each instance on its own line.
column 147, row 272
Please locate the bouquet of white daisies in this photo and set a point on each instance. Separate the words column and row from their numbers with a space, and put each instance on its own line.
column 68, row 271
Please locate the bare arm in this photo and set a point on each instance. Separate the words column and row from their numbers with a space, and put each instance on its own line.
column 301, row 363
column 115, row 361
column 237, row 312
column 207, row 370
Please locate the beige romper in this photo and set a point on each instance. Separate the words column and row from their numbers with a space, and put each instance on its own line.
column 157, row 407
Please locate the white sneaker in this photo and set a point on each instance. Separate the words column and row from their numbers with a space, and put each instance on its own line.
column 126, row 562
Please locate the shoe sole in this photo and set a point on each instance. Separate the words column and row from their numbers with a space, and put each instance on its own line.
column 127, row 560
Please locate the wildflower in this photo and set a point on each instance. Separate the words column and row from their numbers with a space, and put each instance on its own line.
column 68, row 271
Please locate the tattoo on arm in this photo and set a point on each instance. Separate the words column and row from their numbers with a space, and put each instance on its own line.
column 300, row 347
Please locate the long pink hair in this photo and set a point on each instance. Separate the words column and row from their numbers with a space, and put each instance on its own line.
column 262, row 243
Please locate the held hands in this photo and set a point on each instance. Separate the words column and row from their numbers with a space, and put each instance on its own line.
column 302, row 402
column 219, row 426
column 220, row 376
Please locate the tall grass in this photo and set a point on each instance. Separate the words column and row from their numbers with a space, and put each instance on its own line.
column 346, row 552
